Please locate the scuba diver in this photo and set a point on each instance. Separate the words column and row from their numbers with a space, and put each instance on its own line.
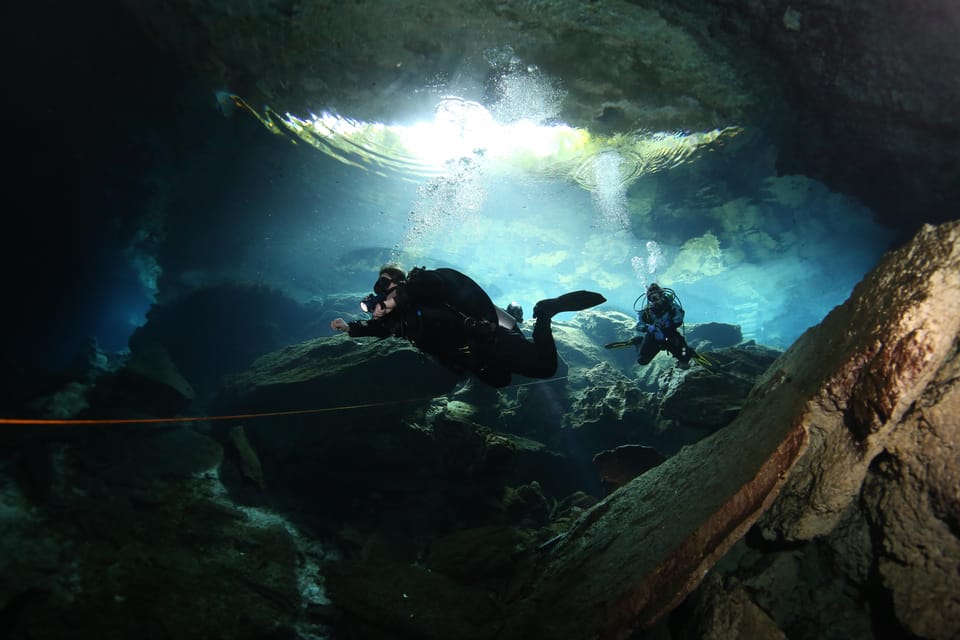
column 658, row 327
column 447, row 315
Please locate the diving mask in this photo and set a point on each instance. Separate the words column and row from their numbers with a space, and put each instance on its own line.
column 382, row 285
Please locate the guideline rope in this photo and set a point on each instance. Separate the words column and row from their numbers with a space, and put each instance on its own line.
column 237, row 416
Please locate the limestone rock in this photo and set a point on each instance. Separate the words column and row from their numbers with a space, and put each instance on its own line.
column 214, row 331
column 798, row 589
column 477, row 556
column 889, row 101
column 720, row 613
column 149, row 384
column 249, row 461
column 370, row 62
column 912, row 498
column 621, row 465
column 410, row 601
column 907, row 316
column 707, row 398
column 713, row 335
column 367, row 372
column 610, row 409
column 857, row 90
column 139, row 535
column 803, row 443
column 607, row 410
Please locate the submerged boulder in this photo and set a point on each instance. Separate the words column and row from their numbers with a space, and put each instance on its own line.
column 705, row 398
column 819, row 452
column 621, row 465
column 336, row 375
column 837, row 417
column 411, row 601
column 148, row 384
column 218, row 330
column 138, row 538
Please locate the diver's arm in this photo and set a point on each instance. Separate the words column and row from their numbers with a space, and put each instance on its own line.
column 677, row 315
column 361, row 328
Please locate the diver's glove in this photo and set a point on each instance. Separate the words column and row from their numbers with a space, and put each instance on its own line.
column 651, row 329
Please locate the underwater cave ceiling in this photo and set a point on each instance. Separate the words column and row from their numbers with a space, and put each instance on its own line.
column 862, row 95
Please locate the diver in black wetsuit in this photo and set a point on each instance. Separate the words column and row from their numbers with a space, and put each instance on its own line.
column 447, row 315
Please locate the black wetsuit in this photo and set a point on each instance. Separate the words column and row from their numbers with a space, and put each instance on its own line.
column 447, row 315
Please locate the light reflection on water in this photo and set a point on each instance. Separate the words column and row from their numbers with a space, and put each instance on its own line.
column 530, row 211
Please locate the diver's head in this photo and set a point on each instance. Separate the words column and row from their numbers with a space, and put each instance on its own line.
column 654, row 293
column 390, row 276
column 515, row 310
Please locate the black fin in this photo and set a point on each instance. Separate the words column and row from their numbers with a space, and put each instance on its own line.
column 573, row 301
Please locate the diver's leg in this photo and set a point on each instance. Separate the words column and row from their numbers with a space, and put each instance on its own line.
column 679, row 350
column 648, row 348
column 493, row 376
column 546, row 351
column 537, row 359
column 511, row 352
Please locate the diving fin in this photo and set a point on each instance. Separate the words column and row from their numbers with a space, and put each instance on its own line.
column 573, row 301
column 704, row 360
column 708, row 364
column 624, row 343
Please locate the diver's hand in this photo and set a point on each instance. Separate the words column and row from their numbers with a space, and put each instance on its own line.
column 339, row 325
column 652, row 329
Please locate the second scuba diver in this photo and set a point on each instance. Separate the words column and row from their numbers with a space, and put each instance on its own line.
column 658, row 327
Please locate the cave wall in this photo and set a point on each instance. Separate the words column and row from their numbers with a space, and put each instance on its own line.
column 863, row 539
column 873, row 90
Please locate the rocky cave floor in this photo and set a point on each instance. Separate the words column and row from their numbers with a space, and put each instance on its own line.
column 760, row 496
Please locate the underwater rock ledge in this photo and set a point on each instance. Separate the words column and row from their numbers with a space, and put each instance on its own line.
column 801, row 447
column 441, row 510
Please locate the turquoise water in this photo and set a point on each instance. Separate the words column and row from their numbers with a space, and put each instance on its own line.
column 179, row 189
column 137, row 184
column 738, row 244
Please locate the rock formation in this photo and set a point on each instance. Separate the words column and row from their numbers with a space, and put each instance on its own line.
column 856, row 415
column 862, row 96
column 412, row 507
